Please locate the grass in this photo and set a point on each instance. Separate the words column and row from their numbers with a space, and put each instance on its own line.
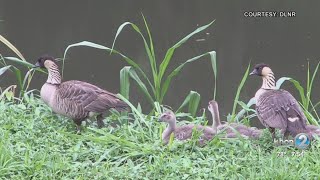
column 40, row 145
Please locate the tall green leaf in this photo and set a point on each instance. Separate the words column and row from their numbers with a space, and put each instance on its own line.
column 98, row 46
column 236, row 99
column 246, row 108
column 168, row 56
column 125, row 82
column 297, row 86
column 310, row 84
column 19, row 61
column 193, row 100
column 214, row 68
column 175, row 72
column 129, row 71
column 4, row 69
column 147, row 48
column 134, row 110
column 12, row 47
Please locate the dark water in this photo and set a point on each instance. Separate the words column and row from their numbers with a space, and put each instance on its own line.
column 286, row 43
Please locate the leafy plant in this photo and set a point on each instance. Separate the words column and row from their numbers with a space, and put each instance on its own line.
column 154, row 88
column 23, row 81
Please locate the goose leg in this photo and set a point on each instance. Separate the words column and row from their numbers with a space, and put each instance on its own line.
column 273, row 133
column 100, row 121
column 286, row 134
column 78, row 124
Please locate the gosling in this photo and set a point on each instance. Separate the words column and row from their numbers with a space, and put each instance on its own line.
column 231, row 129
column 183, row 132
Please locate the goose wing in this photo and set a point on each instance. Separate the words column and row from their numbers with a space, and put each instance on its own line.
column 183, row 132
column 277, row 108
column 90, row 97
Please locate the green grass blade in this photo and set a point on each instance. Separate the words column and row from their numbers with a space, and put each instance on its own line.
column 193, row 100
column 24, row 63
column 310, row 84
column 236, row 99
column 153, row 62
column 12, row 47
column 17, row 72
column 314, row 111
column 308, row 78
column 98, row 46
column 132, row 73
column 4, row 69
column 26, row 82
column 134, row 110
column 246, row 108
column 147, row 48
column 316, row 105
column 8, row 92
column 125, row 82
column 150, row 42
column 169, row 53
column 309, row 116
column 296, row 85
column 214, row 68
column 19, row 61
column 194, row 103
column 175, row 72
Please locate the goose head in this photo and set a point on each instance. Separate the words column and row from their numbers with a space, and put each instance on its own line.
column 45, row 61
column 212, row 105
column 214, row 109
column 261, row 70
column 168, row 117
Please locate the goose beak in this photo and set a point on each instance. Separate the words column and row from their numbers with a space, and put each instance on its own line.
column 254, row 72
column 36, row 65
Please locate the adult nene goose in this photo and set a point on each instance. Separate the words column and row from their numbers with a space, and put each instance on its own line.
column 277, row 108
column 231, row 128
column 75, row 99
column 183, row 132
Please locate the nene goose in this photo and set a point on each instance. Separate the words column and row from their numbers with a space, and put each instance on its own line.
column 312, row 130
column 183, row 132
column 75, row 99
column 232, row 129
column 277, row 108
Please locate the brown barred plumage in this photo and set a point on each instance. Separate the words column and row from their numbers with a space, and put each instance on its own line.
column 183, row 132
column 76, row 99
column 277, row 108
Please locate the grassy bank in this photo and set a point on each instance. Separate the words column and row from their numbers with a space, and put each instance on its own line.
column 38, row 144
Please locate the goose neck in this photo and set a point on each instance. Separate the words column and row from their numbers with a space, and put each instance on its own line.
column 54, row 76
column 171, row 128
column 215, row 118
column 268, row 81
